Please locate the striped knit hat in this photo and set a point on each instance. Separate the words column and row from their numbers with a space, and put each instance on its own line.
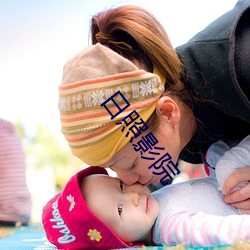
column 92, row 77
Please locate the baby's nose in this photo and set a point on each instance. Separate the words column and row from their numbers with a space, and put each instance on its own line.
column 133, row 198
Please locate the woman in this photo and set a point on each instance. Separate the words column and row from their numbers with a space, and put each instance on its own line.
column 206, row 95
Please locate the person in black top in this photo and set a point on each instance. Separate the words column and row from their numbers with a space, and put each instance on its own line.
column 206, row 95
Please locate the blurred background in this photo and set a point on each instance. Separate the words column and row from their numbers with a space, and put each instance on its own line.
column 36, row 39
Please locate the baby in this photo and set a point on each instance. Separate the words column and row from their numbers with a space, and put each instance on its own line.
column 96, row 211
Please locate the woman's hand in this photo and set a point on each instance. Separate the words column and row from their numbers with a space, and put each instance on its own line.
column 240, row 198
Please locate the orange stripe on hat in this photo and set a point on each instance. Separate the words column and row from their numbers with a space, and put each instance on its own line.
column 83, row 136
column 122, row 76
column 99, row 113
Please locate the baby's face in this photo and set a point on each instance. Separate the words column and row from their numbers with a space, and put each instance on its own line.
column 130, row 211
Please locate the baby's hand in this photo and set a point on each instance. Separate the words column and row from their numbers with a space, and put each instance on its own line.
column 240, row 198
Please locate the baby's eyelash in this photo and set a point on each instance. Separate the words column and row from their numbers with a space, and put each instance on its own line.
column 121, row 185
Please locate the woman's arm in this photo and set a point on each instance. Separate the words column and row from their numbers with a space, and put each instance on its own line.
column 240, row 198
column 231, row 161
column 237, row 157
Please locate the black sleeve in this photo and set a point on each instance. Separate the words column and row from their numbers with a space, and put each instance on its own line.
column 217, row 66
column 213, row 67
column 242, row 53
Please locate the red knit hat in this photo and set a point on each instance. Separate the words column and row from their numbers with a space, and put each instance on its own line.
column 69, row 223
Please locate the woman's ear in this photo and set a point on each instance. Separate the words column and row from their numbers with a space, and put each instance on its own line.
column 168, row 109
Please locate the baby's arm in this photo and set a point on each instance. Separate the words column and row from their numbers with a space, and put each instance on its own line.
column 201, row 229
column 235, row 158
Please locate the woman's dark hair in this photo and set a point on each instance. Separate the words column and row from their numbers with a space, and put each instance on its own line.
column 137, row 35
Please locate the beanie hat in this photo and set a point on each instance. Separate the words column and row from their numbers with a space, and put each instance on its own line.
column 92, row 77
column 69, row 223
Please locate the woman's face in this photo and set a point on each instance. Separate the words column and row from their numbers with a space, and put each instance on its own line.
column 127, row 162
column 131, row 168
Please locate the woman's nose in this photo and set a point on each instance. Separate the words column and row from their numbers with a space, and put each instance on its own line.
column 127, row 177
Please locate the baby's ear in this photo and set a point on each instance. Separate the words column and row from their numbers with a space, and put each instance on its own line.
column 168, row 109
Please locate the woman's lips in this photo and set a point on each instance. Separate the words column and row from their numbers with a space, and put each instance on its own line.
column 149, row 182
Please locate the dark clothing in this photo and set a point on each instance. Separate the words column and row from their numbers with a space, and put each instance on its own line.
column 217, row 67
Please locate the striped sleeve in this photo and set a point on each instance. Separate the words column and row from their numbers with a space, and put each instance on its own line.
column 201, row 229
column 15, row 200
